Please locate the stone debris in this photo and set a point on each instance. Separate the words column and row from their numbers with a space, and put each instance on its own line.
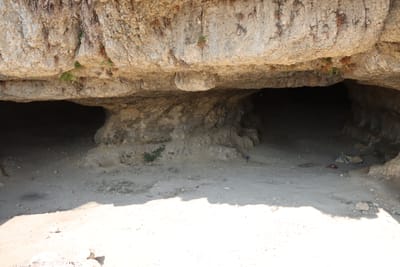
column 347, row 159
column 54, row 230
column 390, row 169
column 362, row 206
column 123, row 187
column 93, row 258
column 50, row 259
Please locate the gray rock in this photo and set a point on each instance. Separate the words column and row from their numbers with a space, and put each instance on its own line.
column 362, row 206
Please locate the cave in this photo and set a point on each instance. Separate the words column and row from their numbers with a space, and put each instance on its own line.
column 29, row 127
column 307, row 111
column 275, row 149
column 175, row 128
column 303, row 126
column 223, row 124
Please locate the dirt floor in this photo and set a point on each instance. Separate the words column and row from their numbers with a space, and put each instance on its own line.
column 284, row 206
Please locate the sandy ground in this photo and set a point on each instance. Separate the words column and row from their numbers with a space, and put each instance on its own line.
column 283, row 207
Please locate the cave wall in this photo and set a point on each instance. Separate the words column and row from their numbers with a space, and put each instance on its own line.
column 376, row 112
column 188, row 125
column 133, row 56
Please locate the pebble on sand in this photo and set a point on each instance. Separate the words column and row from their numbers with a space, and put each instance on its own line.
column 362, row 206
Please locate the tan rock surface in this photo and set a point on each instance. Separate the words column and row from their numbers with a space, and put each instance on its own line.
column 90, row 49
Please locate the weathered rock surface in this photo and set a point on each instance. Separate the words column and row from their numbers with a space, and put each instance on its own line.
column 144, row 61
column 188, row 124
column 73, row 49
column 376, row 111
column 390, row 169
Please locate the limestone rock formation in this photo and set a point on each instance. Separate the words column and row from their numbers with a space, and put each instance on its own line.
column 71, row 49
column 390, row 169
column 145, row 61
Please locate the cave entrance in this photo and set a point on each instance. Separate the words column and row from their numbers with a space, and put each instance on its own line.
column 308, row 111
column 29, row 127
column 303, row 126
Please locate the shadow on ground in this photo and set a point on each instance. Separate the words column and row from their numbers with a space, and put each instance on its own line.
column 294, row 166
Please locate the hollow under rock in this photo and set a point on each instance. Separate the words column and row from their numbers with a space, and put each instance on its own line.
column 216, row 124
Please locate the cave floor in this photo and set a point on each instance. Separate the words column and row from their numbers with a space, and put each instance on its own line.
column 284, row 206
column 281, row 208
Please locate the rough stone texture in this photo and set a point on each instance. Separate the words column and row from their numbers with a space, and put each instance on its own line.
column 133, row 56
column 390, row 169
column 376, row 111
column 391, row 31
column 376, row 120
column 129, row 46
column 37, row 38
column 380, row 66
column 190, row 123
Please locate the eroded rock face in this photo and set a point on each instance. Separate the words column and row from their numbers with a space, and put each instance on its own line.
column 376, row 111
column 376, row 121
column 188, row 123
column 134, row 56
column 390, row 169
column 89, row 49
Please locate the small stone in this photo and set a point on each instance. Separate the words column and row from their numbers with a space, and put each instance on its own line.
column 92, row 254
column 54, row 230
column 349, row 159
column 340, row 159
column 354, row 159
column 362, row 206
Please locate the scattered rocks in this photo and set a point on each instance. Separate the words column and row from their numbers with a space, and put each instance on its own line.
column 50, row 259
column 347, row 159
column 123, row 187
column 54, row 230
column 390, row 169
column 95, row 260
column 362, row 206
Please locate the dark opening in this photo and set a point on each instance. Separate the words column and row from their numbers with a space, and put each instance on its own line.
column 303, row 125
column 48, row 123
column 307, row 111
